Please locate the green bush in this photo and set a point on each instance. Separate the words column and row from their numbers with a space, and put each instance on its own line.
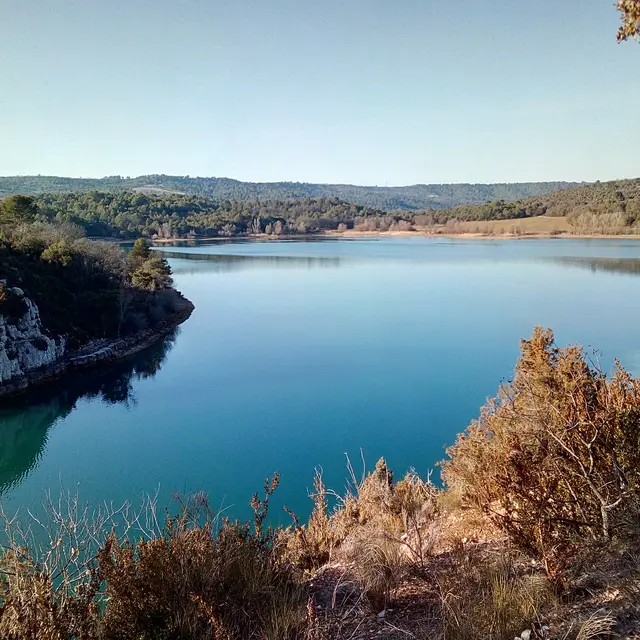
column 58, row 253
column 154, row 274
column 84, row 290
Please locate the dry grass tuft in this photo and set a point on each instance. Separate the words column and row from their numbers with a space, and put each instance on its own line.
column 376, row 566
column 598, row 625
column 482, row 598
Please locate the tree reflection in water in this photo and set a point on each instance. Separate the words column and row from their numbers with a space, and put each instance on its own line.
column 25, row 421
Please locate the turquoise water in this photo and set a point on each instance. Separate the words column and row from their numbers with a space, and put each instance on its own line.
column 300, row 352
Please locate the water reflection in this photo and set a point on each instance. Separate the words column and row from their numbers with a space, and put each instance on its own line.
column 616, row 265
column 26, row 421
column 218, row 263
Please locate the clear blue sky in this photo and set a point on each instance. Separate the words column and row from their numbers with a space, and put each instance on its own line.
column 359, row 91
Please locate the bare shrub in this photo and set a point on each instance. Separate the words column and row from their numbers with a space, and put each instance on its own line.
column 373, row 223
column 399, row 511
column 50, row 584
column 108, row 254
column 401, row 225
column 554, row 459
column 122, row 576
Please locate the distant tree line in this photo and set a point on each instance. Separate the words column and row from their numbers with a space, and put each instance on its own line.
column 602, row 207
column 608, row 207
column 407, row 198
column 132, row 214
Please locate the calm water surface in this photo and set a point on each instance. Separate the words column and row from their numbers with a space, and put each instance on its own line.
column 300, row 352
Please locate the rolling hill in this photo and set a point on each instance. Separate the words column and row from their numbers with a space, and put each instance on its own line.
column 601, row 207
column 410, row 198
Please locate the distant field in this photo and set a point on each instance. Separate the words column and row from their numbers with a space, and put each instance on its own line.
column 156, row 191
column 540, row 225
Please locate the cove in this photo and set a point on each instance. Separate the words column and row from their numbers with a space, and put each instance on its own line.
column 300, row 352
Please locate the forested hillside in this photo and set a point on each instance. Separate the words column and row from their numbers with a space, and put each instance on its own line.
column 130, row 214
column 602, row 207
column 609, row 207
column 409, row 198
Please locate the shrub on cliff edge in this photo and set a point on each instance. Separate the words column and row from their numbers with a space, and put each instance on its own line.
column 555, row 458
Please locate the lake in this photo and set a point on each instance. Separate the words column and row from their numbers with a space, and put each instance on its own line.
column 300, row 352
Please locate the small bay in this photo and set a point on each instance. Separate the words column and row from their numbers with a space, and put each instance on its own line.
column 301, row 352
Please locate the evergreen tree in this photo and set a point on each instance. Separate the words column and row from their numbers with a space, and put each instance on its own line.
column 16, row 209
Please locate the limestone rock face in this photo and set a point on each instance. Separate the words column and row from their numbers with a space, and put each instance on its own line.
column 24, row 346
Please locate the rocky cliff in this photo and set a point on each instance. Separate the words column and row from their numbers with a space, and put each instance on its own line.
column 24, row 345
column 30, row 356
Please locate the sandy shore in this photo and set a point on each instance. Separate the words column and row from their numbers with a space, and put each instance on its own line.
column 420, row 233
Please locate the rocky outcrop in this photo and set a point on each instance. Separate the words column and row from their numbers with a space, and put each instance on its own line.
column 24, row 345
column 29, row 356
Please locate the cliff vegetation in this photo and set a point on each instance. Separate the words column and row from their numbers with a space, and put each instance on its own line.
column 60, row 292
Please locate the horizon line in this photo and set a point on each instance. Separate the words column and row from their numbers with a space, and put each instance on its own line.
column 299, row 182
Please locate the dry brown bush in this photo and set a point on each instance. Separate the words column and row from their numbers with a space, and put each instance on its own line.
column 555, row 458
column 192, row 584
column 200, row 581
column 49, row 581
column 33, row 607
column 398, row 511
column 194, row 578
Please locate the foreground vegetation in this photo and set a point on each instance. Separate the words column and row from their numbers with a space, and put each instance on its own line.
column 630, row 11
column 534, row 533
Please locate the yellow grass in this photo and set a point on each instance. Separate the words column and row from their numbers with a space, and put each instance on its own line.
column 541, row 225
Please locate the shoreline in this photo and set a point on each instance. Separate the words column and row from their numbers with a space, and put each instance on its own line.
column 98, row 352
column 354, row 235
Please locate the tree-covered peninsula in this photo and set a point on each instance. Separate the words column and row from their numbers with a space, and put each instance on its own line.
column 131, row 214
column 64, row 298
